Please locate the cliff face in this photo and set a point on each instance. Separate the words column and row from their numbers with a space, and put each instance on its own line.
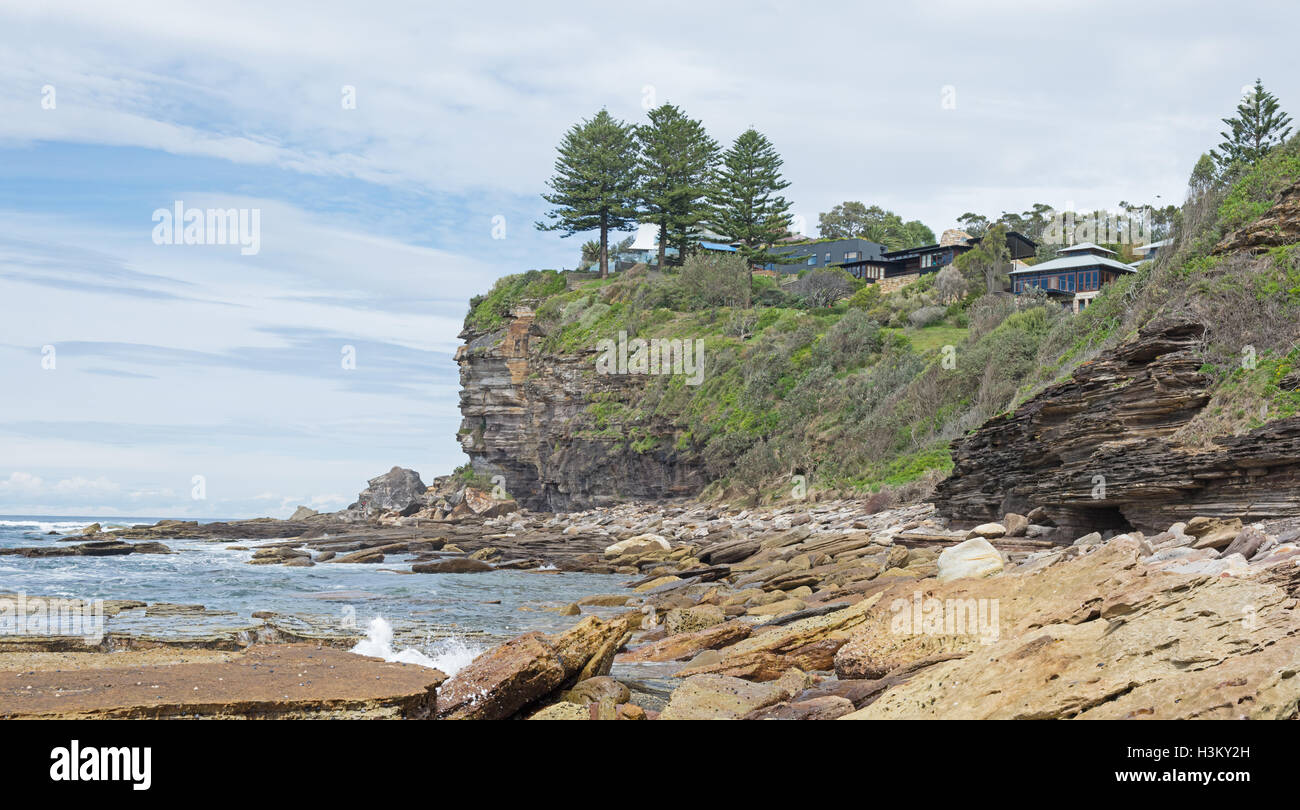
column 526, row 416
column 1098, row 450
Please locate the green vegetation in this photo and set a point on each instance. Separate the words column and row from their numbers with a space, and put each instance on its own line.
column 825, row 376
column 854, row 219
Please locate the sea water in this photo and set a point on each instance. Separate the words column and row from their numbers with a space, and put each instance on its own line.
column 442, row 620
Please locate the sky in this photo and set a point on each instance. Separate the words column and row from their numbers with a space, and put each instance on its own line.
column 394, row 154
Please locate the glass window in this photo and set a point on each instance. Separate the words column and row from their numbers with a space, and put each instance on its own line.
column 812, row 260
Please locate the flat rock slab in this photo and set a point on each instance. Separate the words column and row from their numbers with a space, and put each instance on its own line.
column 266, row 681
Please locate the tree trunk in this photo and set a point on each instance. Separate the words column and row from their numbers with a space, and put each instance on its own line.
column 663, row 245
column 604, row 247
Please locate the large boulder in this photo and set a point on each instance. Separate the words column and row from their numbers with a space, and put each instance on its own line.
column 641, row 542
column 689, row 620
column 508, row 679
column 455, row 565
column 722, row 697
column 397, row 490
column 974, row 558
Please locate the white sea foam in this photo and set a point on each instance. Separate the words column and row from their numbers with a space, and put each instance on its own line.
column 44, row 528
column 450, row 655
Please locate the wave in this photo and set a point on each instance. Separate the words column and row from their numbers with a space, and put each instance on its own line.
column 44, row 527
column 450, row 655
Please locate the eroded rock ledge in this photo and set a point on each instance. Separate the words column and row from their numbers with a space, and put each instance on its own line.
column 1098, row 450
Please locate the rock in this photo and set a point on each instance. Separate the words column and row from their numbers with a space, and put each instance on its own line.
column 605, row 600
column 641, row 542
column 631, row 711
column 731, row 552
column 456, row 565
column 808, row 644
column 826, row 707
column 684, row 645
column 486, row 553
column 689, row 620
column 719, row 697
column 974, row 558
column 1234, row 564
column 1280, row 225
column 595, row 690
column 1213, row 532
column 1246, row 543
column 1017, row 525
column 397, row 490
column 365, row 555
column 1090, row 539
column 1101, row 636
column 507, row 679
column 93, row 528
column 989, row 531
column 1125, row 413
column 302, row 513
column 563, row 710
column 778, row 608
column 656, row 583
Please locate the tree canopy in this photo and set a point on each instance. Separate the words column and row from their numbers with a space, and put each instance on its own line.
column 850, row 220
column 676, row 158
column 595, row 182
column 1257, row 127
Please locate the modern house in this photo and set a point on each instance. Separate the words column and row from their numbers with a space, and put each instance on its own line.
column 1073, row 278
column 897, row 267
column 818, row 253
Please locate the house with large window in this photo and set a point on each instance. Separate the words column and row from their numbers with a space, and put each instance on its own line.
column 818, row 253
column 898, row 267
column 1074, row 277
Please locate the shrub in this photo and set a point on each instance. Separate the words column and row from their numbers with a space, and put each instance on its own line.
column 927, row 316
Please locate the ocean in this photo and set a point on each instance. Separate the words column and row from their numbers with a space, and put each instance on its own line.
column 432, row 619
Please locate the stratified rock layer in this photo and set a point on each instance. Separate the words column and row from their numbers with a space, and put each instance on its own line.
column 524, row 417
column 1098, row 451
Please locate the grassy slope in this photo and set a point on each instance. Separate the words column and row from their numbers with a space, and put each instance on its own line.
column 856, row 399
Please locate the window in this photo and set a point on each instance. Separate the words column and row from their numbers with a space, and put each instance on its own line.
column 852, row 255
column 828, row 257
column 812, row 260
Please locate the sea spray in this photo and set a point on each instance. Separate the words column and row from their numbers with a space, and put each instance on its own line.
column 449, row 654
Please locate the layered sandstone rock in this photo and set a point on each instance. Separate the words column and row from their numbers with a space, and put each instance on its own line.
column 1279, row 226
column 508, row 679
column 525, row 417
column 1098, row 451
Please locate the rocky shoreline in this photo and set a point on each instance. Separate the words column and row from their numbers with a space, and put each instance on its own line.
column 809, row 610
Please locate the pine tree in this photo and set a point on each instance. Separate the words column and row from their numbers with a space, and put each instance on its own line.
column 745, row 205
column 595, row 182
column 677, row 156
column 1258, row 126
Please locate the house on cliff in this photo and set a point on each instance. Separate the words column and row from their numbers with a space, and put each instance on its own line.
column 1073, row 278
column 895, row 268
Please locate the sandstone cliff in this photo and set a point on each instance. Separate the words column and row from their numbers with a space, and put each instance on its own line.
column 1099, row 450
column 527, row 415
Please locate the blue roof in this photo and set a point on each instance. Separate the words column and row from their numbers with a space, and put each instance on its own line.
column 717, row 246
